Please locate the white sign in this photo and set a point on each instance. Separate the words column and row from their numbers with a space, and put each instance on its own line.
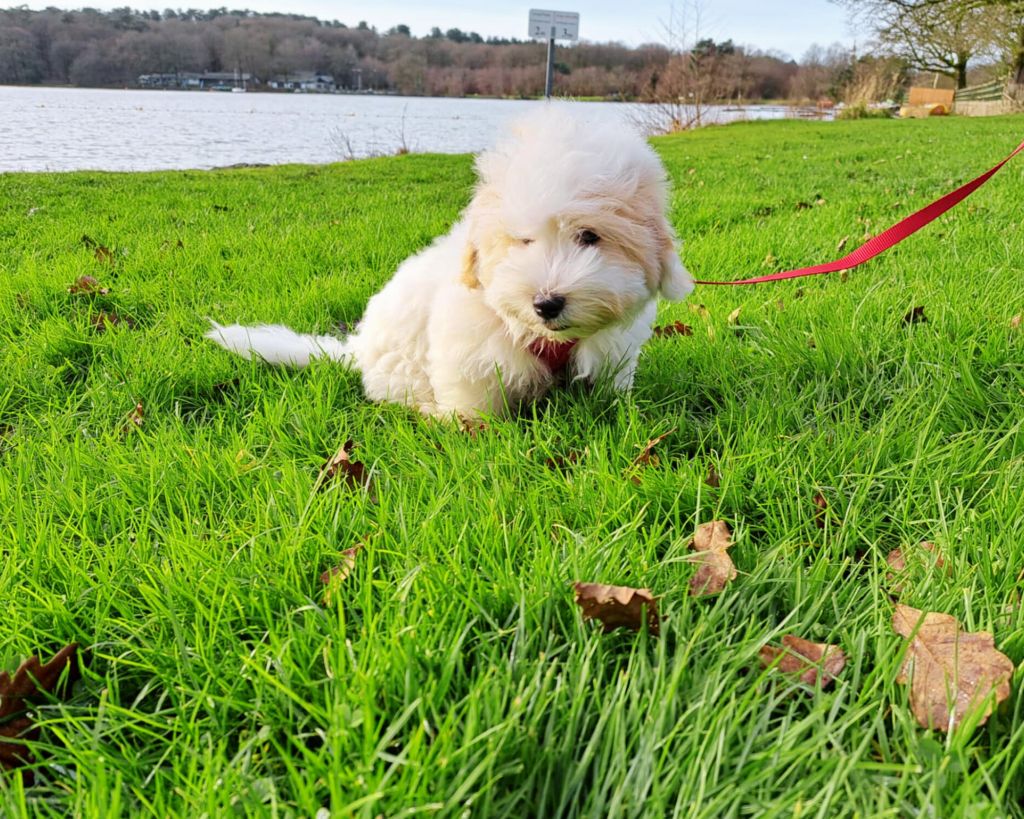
column 558, row 25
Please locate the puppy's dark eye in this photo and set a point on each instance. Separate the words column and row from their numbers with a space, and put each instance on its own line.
column 587, row 237
column 526, row 241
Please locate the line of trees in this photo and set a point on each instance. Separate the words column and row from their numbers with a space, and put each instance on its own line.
column 112, row 49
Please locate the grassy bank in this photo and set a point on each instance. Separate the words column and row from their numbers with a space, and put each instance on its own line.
column 451, row 674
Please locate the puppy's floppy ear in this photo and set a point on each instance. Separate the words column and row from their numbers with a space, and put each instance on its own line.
column 675, row 283
column 470, row 266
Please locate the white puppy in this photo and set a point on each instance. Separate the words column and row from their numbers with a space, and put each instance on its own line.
column 556, row 264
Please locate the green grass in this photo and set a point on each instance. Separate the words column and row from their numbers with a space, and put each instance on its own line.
column 452, row 675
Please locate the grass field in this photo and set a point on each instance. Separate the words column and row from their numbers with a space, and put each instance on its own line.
column 451, row 674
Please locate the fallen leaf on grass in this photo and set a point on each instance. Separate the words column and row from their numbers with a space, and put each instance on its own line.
column 335, row 575
column 1015, row 322
column 646, row 456
column 897, row 560
column 712, row 540
column 618, row 606
column 472, row 428
column 700, row 310
column 713, row 479
column 104, row 255
column 87, row 286
column 559, row 463
column 135, row 417
column 944, row 663
column 101, row 321
column 811, row 662
column 342, row 466
column 676, row 328
column 842, row 243
column 915, row 316
column 734, row 316
column 30, row 680
column 821, row 515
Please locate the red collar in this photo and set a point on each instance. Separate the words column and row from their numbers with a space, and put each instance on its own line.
column 554, row 354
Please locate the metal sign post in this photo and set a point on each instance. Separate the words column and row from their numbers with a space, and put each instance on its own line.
column 551, row 26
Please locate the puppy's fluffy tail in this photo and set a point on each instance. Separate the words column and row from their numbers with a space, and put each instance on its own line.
column 277, row 344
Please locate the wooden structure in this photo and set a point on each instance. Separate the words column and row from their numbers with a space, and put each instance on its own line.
column 989, row 99
column 928, row 102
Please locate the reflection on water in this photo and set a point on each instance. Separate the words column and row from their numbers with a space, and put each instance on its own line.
column 60, row 129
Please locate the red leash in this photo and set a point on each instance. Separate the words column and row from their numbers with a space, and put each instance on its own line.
column 883, row 241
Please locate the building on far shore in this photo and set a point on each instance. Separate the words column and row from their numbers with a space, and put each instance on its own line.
column 309, row 81
column 211, row 80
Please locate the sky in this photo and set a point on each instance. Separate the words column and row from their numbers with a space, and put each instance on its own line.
column 788, row 27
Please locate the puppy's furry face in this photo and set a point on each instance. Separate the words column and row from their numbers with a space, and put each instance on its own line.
column 567, row 230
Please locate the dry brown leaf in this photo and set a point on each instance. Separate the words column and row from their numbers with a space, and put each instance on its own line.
column 915, row 316
column 712, row 540
column 560, row 463
column 87, row 286
column 646, row 456
column 136, row 417
column 676, row 328
column 472, row 428
column 734, row 316
column 821, row 516
column 101, row 321
column 342, row 466
column 699, row 309
column 897, row 560
column 1015, row 322
column 104, row 255
column 618, row 606
column 335, row 575
column 811, row 662
column 30, row 680
column 842, row 243
column 714, row 480
column 943, row 663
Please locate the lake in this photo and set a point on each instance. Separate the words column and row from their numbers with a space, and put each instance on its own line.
column 64, row 129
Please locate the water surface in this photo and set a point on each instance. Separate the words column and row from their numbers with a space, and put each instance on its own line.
column 63, row 129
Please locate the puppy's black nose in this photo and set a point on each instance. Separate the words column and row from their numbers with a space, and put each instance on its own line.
column 548, row 307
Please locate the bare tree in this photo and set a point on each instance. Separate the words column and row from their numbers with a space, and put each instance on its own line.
column 680, row 91
column 945, row 36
